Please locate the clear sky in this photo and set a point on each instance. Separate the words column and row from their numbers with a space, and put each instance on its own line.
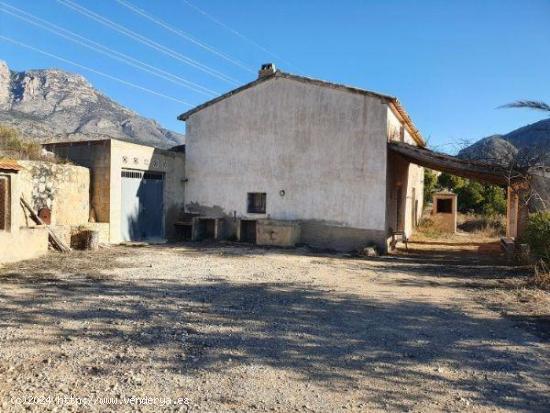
column 451, row 63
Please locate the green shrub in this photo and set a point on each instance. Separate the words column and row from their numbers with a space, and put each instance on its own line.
column 537, row 235
column 430, row 184
column 474, row 196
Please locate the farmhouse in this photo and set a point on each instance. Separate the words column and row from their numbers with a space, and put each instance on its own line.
column 282, row 160
column 292, row 159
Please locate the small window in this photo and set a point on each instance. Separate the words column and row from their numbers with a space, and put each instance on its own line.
column 4, row 203
column 256, row 202
column 444, row 206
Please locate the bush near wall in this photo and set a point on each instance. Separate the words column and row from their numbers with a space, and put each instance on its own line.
column 537, row 235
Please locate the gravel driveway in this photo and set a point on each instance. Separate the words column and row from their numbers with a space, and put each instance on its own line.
column 230, row 328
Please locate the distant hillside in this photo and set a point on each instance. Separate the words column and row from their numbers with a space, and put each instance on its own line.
column 53, row 105
column 529, row 141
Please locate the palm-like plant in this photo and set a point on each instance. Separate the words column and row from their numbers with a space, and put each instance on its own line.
column 530, row 104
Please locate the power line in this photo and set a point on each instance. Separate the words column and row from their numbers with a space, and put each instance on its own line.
column 148, row 42
column 114, row 54
column 235, row 32
column 97, row 72
column 184, row 35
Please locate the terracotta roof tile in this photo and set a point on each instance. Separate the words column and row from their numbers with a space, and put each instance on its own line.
column 9, row 165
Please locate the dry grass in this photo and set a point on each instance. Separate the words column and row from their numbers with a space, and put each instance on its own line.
column 541, row 277
column 14, row 146
column 427, row 229
column 56, row 265
column 490, row 226
column 480, row 225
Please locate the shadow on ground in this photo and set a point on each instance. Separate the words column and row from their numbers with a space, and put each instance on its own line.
column 324, row 336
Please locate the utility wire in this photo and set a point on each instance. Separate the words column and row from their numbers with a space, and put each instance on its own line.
column 114, row 54
column 148, row 42
column 184, row 35
column 236, row 33
column 97, row 72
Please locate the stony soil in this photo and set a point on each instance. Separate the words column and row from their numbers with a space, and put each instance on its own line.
column 233, row 328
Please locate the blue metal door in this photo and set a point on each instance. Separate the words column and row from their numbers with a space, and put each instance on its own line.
column 142, row 208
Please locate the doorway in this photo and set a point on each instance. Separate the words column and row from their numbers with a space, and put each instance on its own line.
column 142, row 205
column 248, row 231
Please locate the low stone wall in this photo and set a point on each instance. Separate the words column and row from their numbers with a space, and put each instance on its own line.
column 63, row 188
column 24, row 244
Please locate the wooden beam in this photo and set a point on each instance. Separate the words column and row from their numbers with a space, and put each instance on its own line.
column 56, row 242
column 479, row 171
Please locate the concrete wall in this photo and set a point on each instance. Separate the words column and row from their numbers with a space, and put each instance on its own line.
column 277, row 233
column 23, row 239
column 96, row 156
column 106, row 160
column 325, row 148
column 446, row 222
column 125, row 155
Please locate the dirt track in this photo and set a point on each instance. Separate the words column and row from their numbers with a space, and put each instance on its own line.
column 242, row 329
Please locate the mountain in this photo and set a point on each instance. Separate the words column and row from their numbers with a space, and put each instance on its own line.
column 53, row 105
column 528, row 142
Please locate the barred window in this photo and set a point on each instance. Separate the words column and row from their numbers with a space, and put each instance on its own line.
column 256, row 202
column 4, row 203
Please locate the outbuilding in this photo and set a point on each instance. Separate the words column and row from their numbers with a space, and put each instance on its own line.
column 136, row 191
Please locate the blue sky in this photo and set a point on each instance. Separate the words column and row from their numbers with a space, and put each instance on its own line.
column 451, row 63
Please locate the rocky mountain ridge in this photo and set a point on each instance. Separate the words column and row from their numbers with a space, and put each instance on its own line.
column 528, row 143
column 53, row 105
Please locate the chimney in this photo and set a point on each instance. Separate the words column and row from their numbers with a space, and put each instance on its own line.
column 267, row 69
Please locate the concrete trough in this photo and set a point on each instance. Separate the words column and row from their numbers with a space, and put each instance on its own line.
column 280, row 233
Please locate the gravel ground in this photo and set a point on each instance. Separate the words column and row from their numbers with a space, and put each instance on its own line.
column 218, row 328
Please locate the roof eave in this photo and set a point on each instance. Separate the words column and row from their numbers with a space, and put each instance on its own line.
column 391, row 100
column 399, row 110
column 184, row 116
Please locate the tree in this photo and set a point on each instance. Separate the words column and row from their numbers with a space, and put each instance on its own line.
column 495, row 200
column 473, row 196
column 430, row 184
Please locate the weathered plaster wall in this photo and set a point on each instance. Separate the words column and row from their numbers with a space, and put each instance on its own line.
column 415, row 194
column 23, row 239
column 445, row 222
column 126, row 155
column 325, row 148
column 106, row 159
column 63, row 188
column 411, row 179
column 96, row 156
column 24, row 244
